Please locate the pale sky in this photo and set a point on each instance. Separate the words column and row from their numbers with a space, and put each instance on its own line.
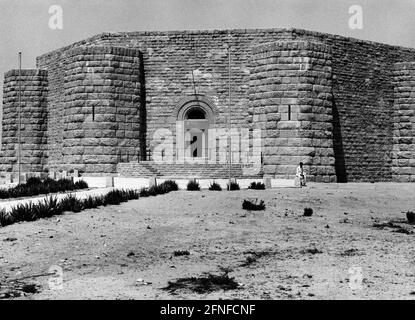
column 24, row 23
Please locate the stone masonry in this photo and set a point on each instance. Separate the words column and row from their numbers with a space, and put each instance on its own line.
column 33, row 85
column 403, row 156
column 344, row 107
column 102, row 107
column 291, row 84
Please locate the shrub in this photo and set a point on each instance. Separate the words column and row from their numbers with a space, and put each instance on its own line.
column 23, row 212
column 81, row 184
column 90, row 202
column 144, row 192
column 71, row 203
column 43, row 210
column 215, row 187
column 253, row 206
column 100, row 201
column 411, row 217
column 5, row 218
column 193, row 185
column 51, row 206
column 308, row 212
column 35, row 186
column 204, row 284
column 153, row 190
column 234, row 186
column 165, row 187
column 115, row 197
column 133, row 194
column 4, row 193
column 33, row 181
column 112, row 198
column 171, row 185
column 257, row 186
column 179, row 253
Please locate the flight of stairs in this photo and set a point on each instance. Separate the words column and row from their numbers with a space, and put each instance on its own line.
column 185, row 170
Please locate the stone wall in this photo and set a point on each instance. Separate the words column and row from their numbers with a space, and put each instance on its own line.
column 403, row 156
column 362, row 88
column 291, row 86
column 362, row 80
column 55, row 63
column 33, row 84
column 102, row 111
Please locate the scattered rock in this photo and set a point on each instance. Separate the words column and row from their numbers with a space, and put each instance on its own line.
column 142, row 282
column 282, row 288
column 398, row 227
column 178, row 253
column 308, row 212
column 350, row 252
column 10, row 239
column 312, row 251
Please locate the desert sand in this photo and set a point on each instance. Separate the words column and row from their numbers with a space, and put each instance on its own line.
column 127, row 251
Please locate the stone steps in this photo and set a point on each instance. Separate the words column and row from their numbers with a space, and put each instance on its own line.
column 151, row 169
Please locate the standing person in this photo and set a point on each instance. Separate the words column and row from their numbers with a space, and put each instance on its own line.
column 301, row 175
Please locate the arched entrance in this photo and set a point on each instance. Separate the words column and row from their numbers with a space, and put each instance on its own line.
column 196, row 127
column 196, row 115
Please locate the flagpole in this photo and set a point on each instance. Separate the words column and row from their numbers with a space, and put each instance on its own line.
column 229, row 116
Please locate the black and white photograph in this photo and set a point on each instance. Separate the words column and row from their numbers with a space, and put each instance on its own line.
column 235, row 151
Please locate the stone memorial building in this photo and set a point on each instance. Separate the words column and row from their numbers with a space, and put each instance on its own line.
column 102, row 106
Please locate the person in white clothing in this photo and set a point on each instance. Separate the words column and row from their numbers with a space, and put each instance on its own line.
column 301, row 175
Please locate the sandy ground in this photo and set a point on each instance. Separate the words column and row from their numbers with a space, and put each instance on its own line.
column 103, row 252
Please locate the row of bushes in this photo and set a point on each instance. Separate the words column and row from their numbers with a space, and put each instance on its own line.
column 194, row 186
column 51, row 206
column 35, row 186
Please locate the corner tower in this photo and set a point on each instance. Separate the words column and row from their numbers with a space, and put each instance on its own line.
column 291, row 101
column 102, row 115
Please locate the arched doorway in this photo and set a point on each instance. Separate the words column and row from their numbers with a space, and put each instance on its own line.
column 196, row 115
column 196, row 127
